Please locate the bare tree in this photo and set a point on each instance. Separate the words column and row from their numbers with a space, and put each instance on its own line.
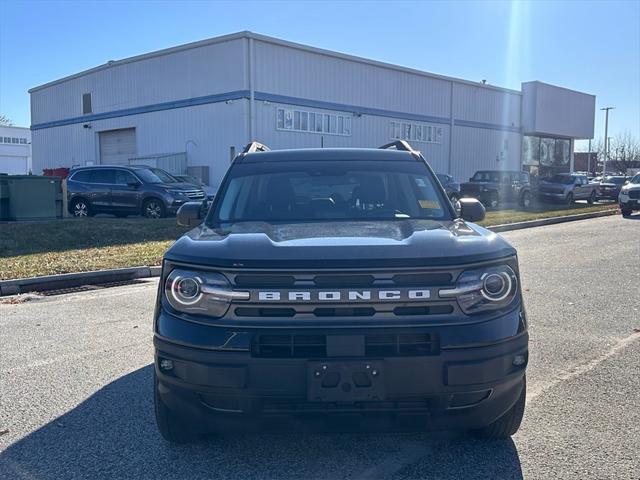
column 624, row 152
column 5, row 121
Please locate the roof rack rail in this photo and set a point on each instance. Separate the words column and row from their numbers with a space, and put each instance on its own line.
column 398, row 145
column 255, row 147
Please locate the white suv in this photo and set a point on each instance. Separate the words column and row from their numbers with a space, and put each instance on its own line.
column 629, row 197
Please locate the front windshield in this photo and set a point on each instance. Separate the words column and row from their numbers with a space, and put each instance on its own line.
column 615, row 180
column 155, row 175
column 563, row 179
column 486, row 177
column 635, row 179
column 330, row 190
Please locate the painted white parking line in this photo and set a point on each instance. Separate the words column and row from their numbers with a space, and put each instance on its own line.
column 577, row 370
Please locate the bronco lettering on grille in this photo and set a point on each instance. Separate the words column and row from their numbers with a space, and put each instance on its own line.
column 343, row 295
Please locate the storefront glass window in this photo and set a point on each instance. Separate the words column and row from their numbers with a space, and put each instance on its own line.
column 547, row 150
column 530, row 150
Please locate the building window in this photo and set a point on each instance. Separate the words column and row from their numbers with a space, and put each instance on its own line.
column 314, row 122
column 23, row 141
column 86, row 103
column 415, row 132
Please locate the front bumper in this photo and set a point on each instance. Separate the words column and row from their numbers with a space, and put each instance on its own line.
column 464, row 386
column 608, row 194
column 552, row 195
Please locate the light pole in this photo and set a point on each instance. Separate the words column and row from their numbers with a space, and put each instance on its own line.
column 606, row 140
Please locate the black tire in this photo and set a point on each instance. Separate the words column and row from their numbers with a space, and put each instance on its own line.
column 525, row 199
column 80, row 208
column 569, row 198
column 592, row 198
column 625, row 212
column 153, row 208
column 494, row 200
column 509, row 423
column 172, row 428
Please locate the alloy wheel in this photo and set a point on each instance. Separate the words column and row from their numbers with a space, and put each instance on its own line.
column 153, row 210
column 80, row 209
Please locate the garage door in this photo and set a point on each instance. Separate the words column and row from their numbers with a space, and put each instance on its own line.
column 117, row 146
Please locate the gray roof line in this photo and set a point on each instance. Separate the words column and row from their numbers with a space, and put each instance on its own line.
column 275, row 41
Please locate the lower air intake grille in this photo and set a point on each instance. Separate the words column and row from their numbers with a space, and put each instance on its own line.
column 315, row 346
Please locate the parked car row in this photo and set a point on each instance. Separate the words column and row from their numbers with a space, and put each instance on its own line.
column 128, row 190
column 154, row 193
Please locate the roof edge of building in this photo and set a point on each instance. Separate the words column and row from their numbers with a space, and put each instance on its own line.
column 275, row 41
column 560, row 87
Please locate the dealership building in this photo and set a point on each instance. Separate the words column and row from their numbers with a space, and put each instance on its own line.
column 15, row 150
column 191, row 108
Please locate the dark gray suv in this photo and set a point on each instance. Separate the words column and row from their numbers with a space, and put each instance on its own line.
column 127, row 190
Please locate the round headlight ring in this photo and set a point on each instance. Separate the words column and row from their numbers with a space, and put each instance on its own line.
column 491, row 280
column 186, row 290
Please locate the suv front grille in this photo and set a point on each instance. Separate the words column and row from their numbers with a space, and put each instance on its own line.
column 315, row 346
column 634, row 194
column 195, row 194
column 353, row 293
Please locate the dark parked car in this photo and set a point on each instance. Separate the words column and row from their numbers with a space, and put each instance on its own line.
column 493, row 187
column 609, row 188
column 338, row 282
column 567, row 188
column 208, row 190
column 450, row 186
column 123, row 191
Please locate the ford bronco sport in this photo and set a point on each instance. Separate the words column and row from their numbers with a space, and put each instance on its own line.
column 338, row 282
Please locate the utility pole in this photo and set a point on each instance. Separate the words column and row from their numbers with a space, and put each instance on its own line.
column 589, row 158
column 606, row 139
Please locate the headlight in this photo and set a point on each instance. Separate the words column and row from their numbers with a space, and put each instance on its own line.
column 203, row 293
column 176, row 192
column 483, row 290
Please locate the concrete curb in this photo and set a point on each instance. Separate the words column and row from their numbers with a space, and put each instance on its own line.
column 550, row 221
column 70, row 280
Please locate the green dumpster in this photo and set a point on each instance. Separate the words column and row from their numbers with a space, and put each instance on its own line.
column 4, row 198
column 33, row 197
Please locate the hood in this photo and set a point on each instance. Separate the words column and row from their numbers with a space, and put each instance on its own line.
column 356, row 244
column 553, row 187
column 180, row 186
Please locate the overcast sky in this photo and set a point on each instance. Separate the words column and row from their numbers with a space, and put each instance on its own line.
column 590, row 46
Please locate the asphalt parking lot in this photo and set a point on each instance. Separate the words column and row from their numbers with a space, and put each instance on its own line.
column 76, row 386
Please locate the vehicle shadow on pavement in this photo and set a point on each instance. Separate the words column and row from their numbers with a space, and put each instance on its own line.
column 112, row 434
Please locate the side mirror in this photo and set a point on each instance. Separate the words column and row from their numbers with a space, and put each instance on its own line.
column 471, row 209
column 190, row 214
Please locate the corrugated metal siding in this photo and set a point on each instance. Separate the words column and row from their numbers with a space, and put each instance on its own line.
column 186, row 74
column 477, row 149
column 368, row 131
column 297, row 73
column 486, row 106
column 210, row 131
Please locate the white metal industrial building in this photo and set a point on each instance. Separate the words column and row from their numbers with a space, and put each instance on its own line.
column 15, row 150
column 196, row 105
